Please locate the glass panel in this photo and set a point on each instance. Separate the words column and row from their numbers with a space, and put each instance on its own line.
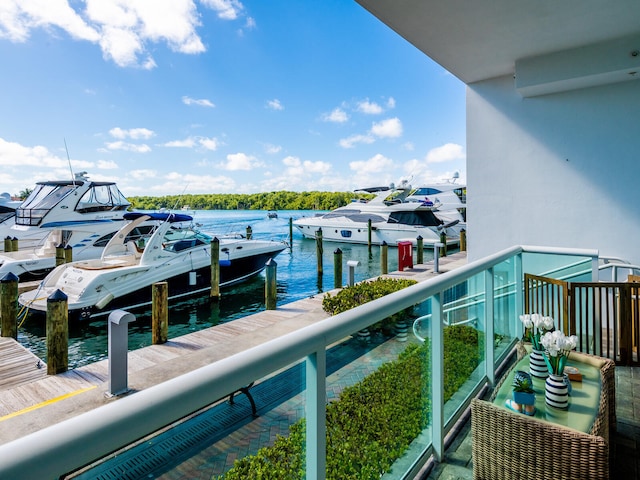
column 561, row 267
column 505, row 326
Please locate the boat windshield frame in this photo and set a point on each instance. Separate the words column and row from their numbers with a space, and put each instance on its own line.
column 45, row 196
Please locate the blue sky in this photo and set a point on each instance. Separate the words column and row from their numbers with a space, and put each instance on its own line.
column 220, row 96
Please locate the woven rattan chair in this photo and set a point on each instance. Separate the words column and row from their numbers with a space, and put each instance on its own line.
column 509, row 445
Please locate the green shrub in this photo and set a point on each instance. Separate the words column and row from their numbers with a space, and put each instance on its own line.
column 374, row 421
column 363, row 292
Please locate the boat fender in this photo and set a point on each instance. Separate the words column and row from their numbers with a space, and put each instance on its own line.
column 225, row 263
column 192, row 278
column 100, row 304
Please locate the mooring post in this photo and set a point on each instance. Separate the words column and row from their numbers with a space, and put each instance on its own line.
column 249, row 232
column 9, row 305
column 352, row 264
column 443, row 240
column 159, row 313
column 436, row 257
column 290, row 234
column 384, row 264
column 463, row 240
column 420, row 254
column 319, row 250
column 337, row 268
column 60, row 258
column 68, row 254
column 57, row 333
column 119, row 321
column 271, row 285
column 14, row 244
column 369, row 234
column 215, row 269
column 7, row 244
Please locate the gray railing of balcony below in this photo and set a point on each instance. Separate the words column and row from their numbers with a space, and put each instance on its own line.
column 73, row 443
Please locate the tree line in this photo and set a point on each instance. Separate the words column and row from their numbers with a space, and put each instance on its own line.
column 282, row 200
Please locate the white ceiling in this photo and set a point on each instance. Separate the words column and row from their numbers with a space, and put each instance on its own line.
column 480, row 39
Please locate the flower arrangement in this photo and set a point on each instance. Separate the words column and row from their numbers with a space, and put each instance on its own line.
column 535, row 326
column 557, row 347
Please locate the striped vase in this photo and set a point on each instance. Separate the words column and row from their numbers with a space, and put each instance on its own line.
column 537, row 365
column 556, row 391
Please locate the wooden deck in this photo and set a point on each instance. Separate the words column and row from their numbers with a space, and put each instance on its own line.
column 30, row 399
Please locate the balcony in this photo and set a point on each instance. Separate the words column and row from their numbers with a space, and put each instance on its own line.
column 486, row 296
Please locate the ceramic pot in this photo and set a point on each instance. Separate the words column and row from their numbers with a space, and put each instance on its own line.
column 556, row 392
column 537, row 365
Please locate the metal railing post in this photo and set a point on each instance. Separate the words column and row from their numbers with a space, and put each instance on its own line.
column 489, row 352
column 316, row 437
column 437, row 376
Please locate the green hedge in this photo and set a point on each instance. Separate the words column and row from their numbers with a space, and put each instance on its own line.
column 374, row 421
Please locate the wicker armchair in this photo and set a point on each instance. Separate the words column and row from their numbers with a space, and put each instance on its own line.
column 509, row 445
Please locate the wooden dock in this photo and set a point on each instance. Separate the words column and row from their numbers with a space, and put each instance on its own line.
column 30, row 399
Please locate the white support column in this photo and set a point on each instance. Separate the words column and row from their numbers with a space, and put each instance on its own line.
column 489, row 300
column 437, row 377
column 316, row 450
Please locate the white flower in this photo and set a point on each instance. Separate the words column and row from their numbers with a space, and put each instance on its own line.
column 547, row 323
column 526, row 320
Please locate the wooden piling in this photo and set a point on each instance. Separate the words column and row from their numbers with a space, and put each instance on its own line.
column 9, row 305
column 271, row 285
column 8, row 247
column 337, row 268
column 249, row 232
column 463, row 240
column 14, row 244
column 215, row 269
column 160, row 313
column 420, row 254
column 57, row 333
column 443, row 240
column 68, row 254
column 60, row 257
column 319, row 250
column 384, row 264
column 369, row 234
column 290, row 234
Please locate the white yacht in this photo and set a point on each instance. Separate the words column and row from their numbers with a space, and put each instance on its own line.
column 174, row 252
column 65, row 205
column 392, row 217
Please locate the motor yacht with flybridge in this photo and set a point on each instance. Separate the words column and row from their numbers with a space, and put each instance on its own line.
column 392, row 218
column 175, row 252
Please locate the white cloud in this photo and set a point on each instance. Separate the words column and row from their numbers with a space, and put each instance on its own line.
column 272, row 149
column 446, row 153
column 142, row 174
column 377, row 163
column 337, row 115
column 390, row 128
column 106, row 164
column 370, row 108
column 297, row 168
column 274, row 104
column 129, row 147
column 241, row 161
column 125, row 30
column 191, row 142
column 202, row 102
column 132, row 133
column 353, row 140
column 391, row 103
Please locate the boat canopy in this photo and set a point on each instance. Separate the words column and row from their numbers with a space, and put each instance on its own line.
column 162, row 216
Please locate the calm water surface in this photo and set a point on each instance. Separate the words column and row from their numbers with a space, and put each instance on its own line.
column 296, row 279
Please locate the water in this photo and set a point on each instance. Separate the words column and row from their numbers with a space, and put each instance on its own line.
column 296, row 279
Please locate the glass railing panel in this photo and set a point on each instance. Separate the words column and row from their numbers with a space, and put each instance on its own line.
column 569, row 268
column 505, row 314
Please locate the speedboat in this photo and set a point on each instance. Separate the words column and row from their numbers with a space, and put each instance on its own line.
column 392, row 218
column 86, row 242
column 124, row 274
column 64, row 205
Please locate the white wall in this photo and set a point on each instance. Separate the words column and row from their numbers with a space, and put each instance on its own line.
column 555, row 170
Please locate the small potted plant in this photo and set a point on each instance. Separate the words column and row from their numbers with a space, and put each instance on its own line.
column 523, row 394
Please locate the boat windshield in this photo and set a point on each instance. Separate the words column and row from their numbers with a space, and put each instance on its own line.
column 43, row 198
column 102, row 197
column 424, row 218
column 5, row 213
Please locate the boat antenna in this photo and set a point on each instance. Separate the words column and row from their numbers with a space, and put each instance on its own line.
column 73, row 179
column 175, row 205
